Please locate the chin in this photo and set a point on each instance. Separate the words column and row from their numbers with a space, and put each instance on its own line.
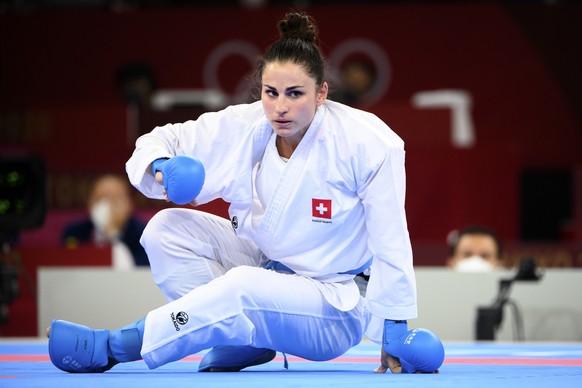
column 284, row 132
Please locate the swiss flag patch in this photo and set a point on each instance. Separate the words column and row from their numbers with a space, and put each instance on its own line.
column 321, row 208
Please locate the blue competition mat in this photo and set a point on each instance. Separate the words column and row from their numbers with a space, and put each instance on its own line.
column 26, row 364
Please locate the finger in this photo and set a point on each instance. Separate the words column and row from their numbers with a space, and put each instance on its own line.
column 390, row 362
column 194, row 203
column 394, row 364
column 383, row 362
column 159, row 177
column 165, row 194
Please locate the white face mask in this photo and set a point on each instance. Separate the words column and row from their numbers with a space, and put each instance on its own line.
column 101, row 214
column 473, row 264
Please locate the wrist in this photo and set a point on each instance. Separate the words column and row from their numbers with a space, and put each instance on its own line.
column 394, row 329
column 157, row 165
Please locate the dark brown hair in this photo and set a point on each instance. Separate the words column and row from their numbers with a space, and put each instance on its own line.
column 297, row 43
column 472, row 230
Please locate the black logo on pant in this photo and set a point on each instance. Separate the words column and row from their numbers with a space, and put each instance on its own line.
column 180, row 319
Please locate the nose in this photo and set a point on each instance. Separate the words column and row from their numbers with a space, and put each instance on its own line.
column 281, row 105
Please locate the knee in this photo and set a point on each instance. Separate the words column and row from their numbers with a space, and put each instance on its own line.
column 164, row 227
column 157, row 238
column 155, row 226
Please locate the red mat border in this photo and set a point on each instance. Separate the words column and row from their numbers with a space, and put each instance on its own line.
column 528, row 361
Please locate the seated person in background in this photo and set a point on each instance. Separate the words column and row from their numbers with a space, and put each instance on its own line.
column 474, row 249
column 110, row 221
column 357, row 78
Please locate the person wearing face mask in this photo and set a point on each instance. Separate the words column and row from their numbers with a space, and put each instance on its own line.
column 110, row 221
column 474, row 249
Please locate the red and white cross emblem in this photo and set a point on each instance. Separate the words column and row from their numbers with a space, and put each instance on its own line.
column 321, row 208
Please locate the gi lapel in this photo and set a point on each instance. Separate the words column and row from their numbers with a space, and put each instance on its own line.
column 287, row 183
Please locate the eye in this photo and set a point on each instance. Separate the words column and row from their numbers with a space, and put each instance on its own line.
column 295, row 93
column 271, row 92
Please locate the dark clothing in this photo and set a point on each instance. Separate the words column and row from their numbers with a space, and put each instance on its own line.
column 82, row 232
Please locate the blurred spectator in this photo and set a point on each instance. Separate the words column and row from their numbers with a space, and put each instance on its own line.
column 355, row 82
column 136, row 82
column 110, row 220
column 474, row 249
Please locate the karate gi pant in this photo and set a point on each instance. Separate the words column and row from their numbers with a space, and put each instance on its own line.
column 219, row 294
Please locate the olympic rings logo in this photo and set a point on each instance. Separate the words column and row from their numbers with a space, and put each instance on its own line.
column 373, row 52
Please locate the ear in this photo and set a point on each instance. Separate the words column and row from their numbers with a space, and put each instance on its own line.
column 322, row 94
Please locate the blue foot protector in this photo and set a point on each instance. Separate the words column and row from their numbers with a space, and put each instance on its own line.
column 125, row 343
column 227, row 358
column 79, row 349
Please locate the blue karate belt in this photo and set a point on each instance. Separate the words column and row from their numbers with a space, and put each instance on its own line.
column 277, row 266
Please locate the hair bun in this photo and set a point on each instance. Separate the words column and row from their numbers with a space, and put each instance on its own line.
column 298, row 26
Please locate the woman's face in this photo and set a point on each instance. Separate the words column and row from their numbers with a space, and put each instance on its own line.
column 290, row 98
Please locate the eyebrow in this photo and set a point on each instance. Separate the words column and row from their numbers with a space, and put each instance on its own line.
column 287, row 89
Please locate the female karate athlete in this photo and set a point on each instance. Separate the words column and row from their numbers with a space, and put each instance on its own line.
column 317, row 195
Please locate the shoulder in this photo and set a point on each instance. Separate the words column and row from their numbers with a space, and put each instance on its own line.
column 81, row 230
column 356, row 126
column 240, row 112
column 232, row 122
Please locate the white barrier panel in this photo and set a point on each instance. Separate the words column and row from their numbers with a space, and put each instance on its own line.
column 551, row 308
column 98, row 297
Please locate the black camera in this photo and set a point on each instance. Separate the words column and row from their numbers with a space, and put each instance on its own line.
column 489, row 318
column 22, row 192
column 22, row 206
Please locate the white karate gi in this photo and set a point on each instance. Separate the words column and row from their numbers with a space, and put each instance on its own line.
column 336, row 203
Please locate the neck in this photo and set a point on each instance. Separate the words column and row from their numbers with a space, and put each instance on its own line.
column 286, row 146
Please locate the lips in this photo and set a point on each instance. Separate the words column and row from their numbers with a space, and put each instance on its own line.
column 282, row 123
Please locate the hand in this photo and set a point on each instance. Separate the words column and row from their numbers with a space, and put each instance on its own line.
column 182, row 176
column 392, row 332
column 388, row 362
column 414, row 351
column 160, row 180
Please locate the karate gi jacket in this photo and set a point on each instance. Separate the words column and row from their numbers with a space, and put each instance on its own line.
column 339, row 202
